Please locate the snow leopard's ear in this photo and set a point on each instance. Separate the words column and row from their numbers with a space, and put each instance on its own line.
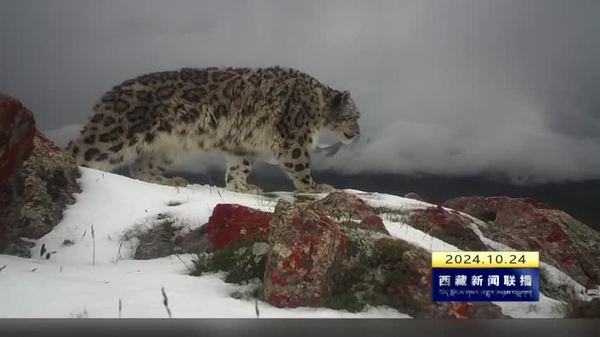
column 340, row 99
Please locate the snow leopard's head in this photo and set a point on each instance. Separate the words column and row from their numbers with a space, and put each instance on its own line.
column 343, row 118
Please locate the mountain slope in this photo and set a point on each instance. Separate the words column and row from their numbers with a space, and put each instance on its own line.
column 86, row 275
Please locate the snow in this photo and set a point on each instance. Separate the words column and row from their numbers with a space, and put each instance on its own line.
column 417, row 237
column 57, row 291
column 90, row 276
column 69, row 285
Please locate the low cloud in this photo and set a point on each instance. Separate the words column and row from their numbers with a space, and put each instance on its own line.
column 522, row 155
column 505, row 88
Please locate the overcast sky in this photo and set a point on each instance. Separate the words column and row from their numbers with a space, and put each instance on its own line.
column 445, row 87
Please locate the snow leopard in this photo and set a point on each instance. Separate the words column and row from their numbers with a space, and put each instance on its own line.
column 158, row 119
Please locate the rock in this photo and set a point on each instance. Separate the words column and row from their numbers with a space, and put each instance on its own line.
column 231, row 229
column 158, row 241
column 236, row 238
column 17, row 128
column 486, row 208
column 334, row 252
column 347, row 207
column 407, row 284
column 193, row 242
column 35, row 195
column 583, row 309
column 19, row 247
column 447, row 225
column 244, row 262
column 318, row 258
column 166, row 236
column 50, row 180
column 525, row 224
column 413, row 195
column 231, row 224
column 304, row 246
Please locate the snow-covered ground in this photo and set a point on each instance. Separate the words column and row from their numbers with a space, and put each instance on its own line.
column 91, row 276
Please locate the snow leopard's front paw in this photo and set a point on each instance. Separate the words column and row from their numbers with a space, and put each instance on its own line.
column 251, row 189
column 318, row 188
column 323, row 188
column 244, row 188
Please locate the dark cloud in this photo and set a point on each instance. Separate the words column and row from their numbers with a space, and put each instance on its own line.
column 447, row 87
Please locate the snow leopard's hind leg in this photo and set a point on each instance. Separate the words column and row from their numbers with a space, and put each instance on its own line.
column 238, row 169
column 150, row 167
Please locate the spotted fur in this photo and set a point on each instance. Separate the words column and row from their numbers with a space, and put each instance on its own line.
column 155, row 120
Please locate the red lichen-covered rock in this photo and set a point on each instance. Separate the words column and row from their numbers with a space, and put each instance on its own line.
column 318, row 258
column 407, row 284
column 345, row 206
column 35, row 195
column 525, row 224
column 305, row 245
column 332, row 253
column 234, row 240
column 231, row 224
column 16, row 136
column 448, row 225
column 341, row 204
